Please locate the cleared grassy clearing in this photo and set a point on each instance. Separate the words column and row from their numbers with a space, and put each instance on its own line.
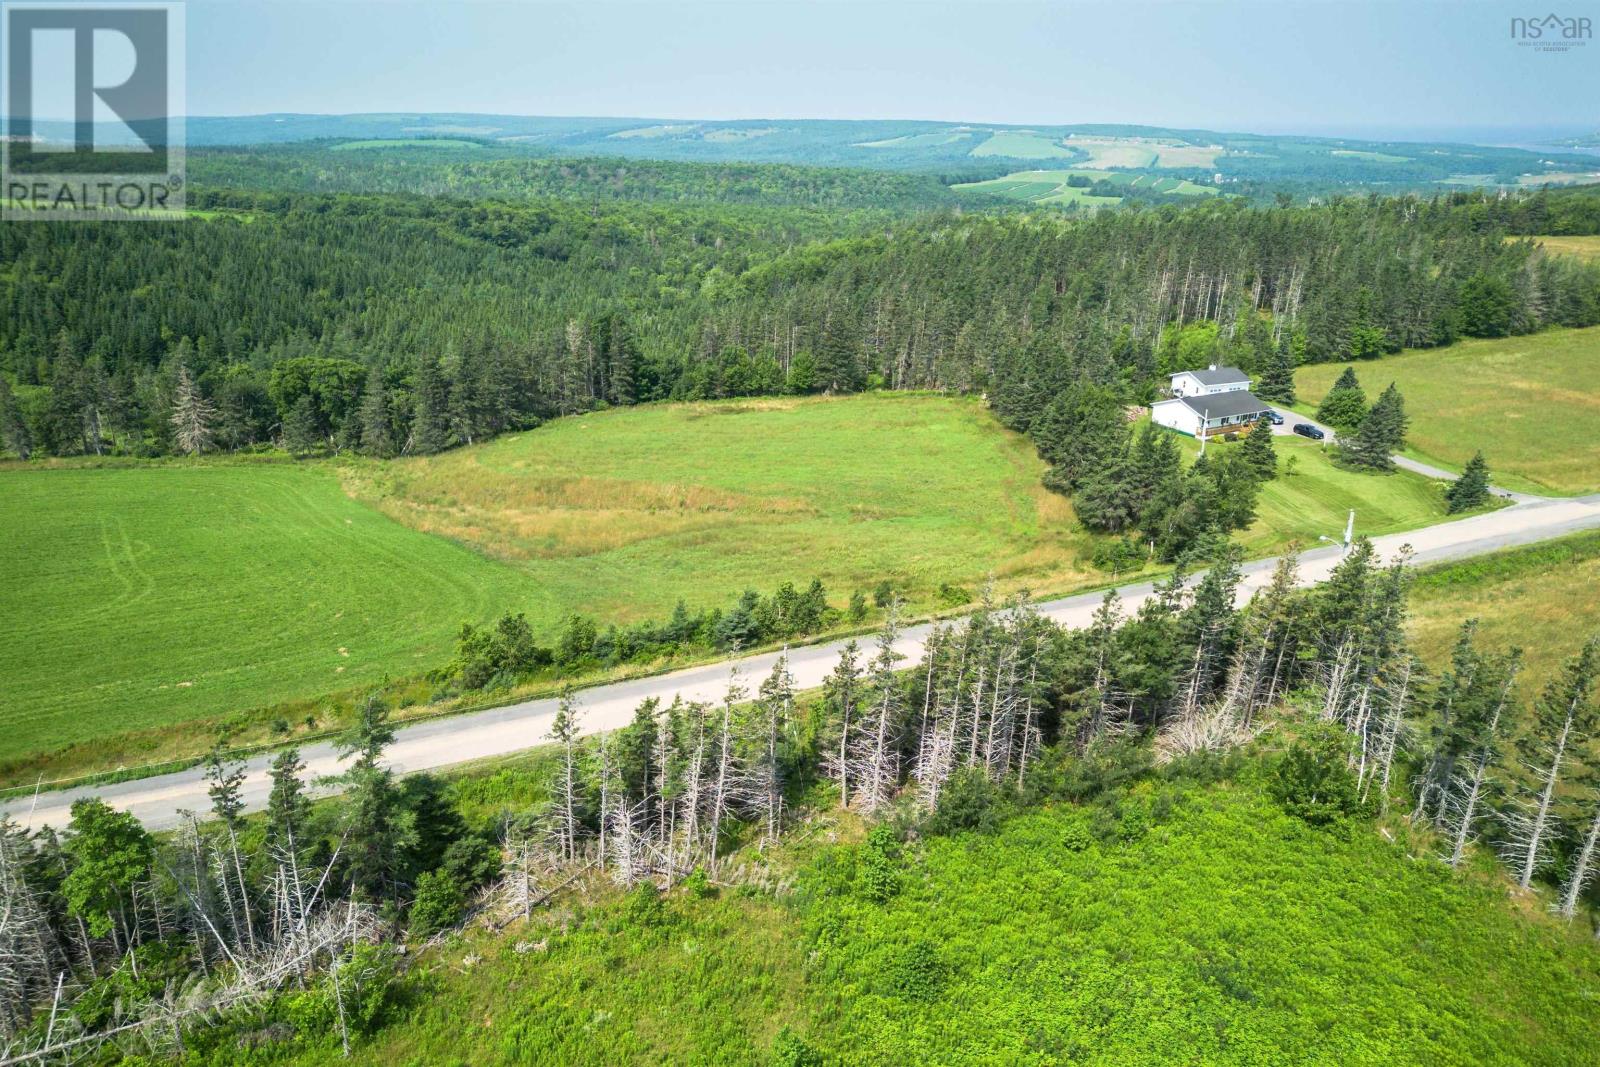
column 1583, row 247
column 145, row 596
column 1370, row 157
column 1529, row 403
column 619, row 514
column 1541, row 598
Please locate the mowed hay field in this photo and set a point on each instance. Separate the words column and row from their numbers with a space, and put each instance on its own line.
column 140, row 597
column 619, row 514
column 1530, row 403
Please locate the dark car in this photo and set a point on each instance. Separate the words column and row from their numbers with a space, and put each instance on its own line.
column 1305, row 429
column 1274, row 417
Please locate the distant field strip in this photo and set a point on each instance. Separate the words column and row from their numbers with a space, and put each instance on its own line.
column 140, row 597
column 1051, row 186
column 1530, row 403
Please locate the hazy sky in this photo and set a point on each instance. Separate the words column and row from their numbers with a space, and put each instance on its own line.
column 1403, row 66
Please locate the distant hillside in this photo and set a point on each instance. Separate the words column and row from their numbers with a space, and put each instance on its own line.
column 974, row 148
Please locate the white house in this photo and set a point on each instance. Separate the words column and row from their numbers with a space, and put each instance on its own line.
column 1214, row 400
column 1208, row 382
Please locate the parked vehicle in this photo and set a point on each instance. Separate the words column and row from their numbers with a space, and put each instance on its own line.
column 1275, row 417
column 1305, row 429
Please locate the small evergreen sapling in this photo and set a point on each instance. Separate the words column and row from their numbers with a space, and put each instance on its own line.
column 1471, row 490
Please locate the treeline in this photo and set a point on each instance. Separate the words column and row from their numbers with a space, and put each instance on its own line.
column 406, row 324
column 1553, row 210
column 488, row 172
column 274, row 918
column 504, row 654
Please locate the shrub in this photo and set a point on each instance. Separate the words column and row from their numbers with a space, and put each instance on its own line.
column 969, row 801
column 879, row 874
column 438, row 905
column 1313, row 781
column 916, row 972
column 698, row 886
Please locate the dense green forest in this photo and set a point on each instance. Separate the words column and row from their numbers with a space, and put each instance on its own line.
column 264, row 938
column 403, row 323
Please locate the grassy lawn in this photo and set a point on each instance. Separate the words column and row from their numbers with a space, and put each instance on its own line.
column 619, row 514
column 1530, row 403
column 1541, row 597
column 143, row 596
column 1312, row 496
column 1020, row 144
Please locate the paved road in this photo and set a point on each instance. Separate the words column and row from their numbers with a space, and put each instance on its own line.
column 158, row 801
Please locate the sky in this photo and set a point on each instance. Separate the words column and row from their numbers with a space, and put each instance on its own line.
column 1397, row 68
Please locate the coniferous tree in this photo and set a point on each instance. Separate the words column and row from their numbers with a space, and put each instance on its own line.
column 377, row 833
column 14, row 432
column 1471, row 489
column 192, row 415
column 1276, row 381
column 301, row 433
column 1381, row 434
column 1258, row 450
column 377, row 436
column 1564, row 721
column 430, row 426
column 1345, row 406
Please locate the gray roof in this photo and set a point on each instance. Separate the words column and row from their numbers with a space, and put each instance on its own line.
column 1217, row 375
column 1223, row 405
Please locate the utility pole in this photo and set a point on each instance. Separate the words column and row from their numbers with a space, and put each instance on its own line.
column 1349, row 534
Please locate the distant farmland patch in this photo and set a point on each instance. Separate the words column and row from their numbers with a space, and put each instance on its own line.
column 406, row 142
column 1370, row 157
column 651, row 131
column 923, row 140
column 1106, row 153
column 1022, row 144
column 1055, row 186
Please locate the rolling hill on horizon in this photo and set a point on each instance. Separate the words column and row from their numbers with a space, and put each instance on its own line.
column 986, row 149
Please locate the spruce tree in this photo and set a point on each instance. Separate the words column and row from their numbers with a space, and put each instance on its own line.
column 1381, row 435
column 192, row 415
column 1257, row 449
column 1471, row 490
column 377, row 438
column 14, row 432
column 430, row 428
column 1277, row 375
column 1345, row 406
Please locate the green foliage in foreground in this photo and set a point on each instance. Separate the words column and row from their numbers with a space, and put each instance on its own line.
column 1167, row 923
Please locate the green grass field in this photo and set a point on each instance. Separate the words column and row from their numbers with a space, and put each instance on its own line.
column 1541, row 597
column 1227, row 933
column 1529, row 403
column 149, row 597
column 619, row 514
column 1583, row 247
column 139, row 597
column 1020, row 144
column 1050, row 186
